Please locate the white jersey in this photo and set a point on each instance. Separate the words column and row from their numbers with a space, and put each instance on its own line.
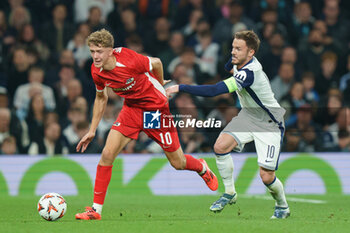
column 255, row 93
column 261, row 117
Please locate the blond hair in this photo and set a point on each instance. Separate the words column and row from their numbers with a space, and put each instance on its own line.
column 102, row 38
column 251, row 39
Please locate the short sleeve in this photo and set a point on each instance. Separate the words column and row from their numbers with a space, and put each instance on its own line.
column 137, row 62
column 244, row 78
column 99, row 85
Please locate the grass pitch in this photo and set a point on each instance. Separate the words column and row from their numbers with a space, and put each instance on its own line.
column 128, row 213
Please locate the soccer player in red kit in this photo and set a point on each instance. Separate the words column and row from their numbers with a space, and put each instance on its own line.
column 139, row 80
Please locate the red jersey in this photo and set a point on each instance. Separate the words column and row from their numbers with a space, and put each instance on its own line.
column 131, row 79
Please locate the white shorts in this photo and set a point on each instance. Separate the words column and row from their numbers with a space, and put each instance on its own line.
column 267, row 136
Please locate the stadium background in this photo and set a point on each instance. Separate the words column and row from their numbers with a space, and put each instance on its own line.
column 46, row 91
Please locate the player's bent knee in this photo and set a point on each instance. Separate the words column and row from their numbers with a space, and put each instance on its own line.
column 221, row 148
column 107, row 157
column 224, row 144
column 267, row 176
column 267, row 179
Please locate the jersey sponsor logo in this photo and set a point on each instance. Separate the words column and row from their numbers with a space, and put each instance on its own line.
column 240, row 76
column 130, row 80
column 151, row 120
column 125, row 88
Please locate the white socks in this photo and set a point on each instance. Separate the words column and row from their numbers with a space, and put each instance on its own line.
column 97, row 207
column 225, row 167
column 277, row 192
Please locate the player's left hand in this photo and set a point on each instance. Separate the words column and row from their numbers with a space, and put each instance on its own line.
column 85, row 141
column 171, row 90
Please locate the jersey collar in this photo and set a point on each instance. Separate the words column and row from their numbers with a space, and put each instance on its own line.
column 250, row 61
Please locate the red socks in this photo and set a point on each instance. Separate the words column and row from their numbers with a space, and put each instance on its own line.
column 193, row 164
column 103, row 176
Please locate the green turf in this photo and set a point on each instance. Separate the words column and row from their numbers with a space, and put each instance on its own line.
column 127, row 213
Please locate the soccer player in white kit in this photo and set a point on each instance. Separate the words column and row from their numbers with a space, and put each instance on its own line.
column 260, row 120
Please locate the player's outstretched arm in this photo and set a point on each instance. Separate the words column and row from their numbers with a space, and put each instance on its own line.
column 98, row 111
column 205, row 90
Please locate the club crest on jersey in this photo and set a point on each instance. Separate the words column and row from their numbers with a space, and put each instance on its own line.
column 116, row 124
column 151, row 120
column 130, row 80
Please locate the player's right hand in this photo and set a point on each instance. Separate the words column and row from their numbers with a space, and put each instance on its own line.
column 171, row 90
column 85, row 141
column 165, row 82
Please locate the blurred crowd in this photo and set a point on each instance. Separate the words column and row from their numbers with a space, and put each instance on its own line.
column 46, row 91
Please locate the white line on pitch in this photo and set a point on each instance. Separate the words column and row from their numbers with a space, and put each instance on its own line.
column 288, row 199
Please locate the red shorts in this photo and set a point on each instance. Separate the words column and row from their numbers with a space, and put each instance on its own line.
column 157, row 124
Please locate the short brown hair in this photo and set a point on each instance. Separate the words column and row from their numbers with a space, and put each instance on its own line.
column 329, row 55
column 251, row 39
column 101, row 38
